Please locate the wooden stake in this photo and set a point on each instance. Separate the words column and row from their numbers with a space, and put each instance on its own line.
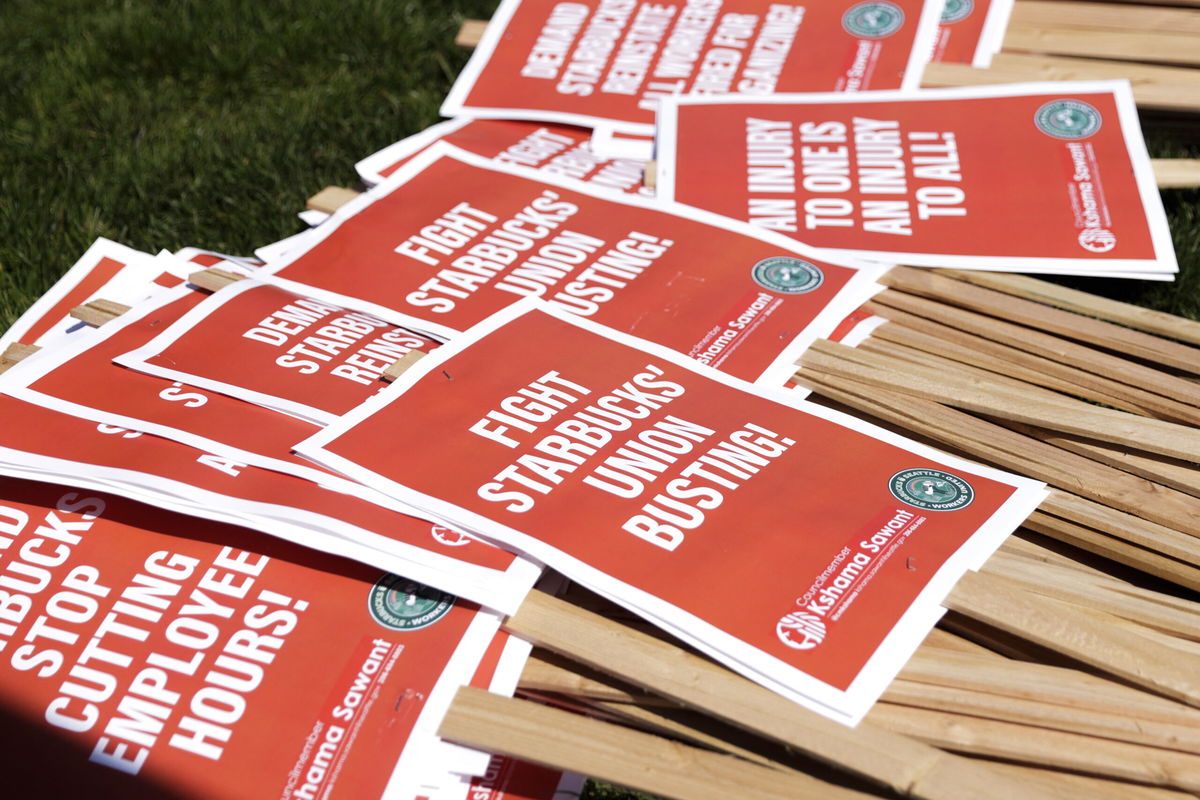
column 964, row 294
column 1167, row 88
column 1171, row 472
column 994, row 398
column 1087, row 636
column 1042, row 714
column 330, row 199
column 1042, row 344
column 400, row 365
column 14, row 354
column 1123, row 552
column 1104, row 16
column 99, row 311
column 1145, row 46
column 918, row 333
column 897, row 762
column 1068, row 586
column 1051, row 294
column 213, row 279
column 1061, row 686
column 470, row 33
column 1176, row 173
column 1031, row 745
column 561, row 740
column 1091, row 787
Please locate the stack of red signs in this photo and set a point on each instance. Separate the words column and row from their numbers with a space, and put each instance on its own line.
column 803, row 548
column 485, row 234
column 606, row 63
column 148, row 650
column 167, row 655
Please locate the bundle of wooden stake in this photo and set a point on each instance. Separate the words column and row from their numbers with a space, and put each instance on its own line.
column 1068, row 667
column 1153, row 46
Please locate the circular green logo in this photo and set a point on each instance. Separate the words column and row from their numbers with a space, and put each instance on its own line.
column 873, row 20
column 931, row 489
column 405, row 605
column 1067, row 119
column 787, row 275
column 957, row 10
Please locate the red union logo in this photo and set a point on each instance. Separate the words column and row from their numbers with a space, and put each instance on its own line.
column 1098, row 240
column 801, row 630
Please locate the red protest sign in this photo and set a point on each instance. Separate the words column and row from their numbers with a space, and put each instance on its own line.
column 451, row 238
column 679, row 492
column 607, row 62
column 1033, row 177
column 561, row 150
column 169, row 655
column 108, row 270
column 51, row 445
column 79, row 378
column 294, row 354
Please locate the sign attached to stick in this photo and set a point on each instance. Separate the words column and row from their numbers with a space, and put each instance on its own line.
column 277, row 349
column 451, row 238
column 556, row 149
column 607, row 62
column 49, row 445
column 1033, row 177
column 212, row 661
column 679, row 492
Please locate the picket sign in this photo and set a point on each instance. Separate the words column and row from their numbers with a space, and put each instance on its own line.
column 1086, row 634
column 1154, row 86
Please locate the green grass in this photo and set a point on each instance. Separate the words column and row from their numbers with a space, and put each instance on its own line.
column 165, row 123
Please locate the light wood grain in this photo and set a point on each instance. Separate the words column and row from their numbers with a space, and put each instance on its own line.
column 1017, row 310
column 213, row 279
column 1043, row 344
column 998, row 399
column 1118, row 17
column 1145, row 46
column 1157, row 87
column 566, row 741
column 897, row 762
column 470, row 32
column 1090, row 637
column 330, row 199
column 1041, row 746
column 1051, row 294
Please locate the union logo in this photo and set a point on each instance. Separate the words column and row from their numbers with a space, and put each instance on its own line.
column 405, row 605
column 931, row 489
column 873, row 20
column 787, row 275
column 1067, row 119
column 957, row 11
